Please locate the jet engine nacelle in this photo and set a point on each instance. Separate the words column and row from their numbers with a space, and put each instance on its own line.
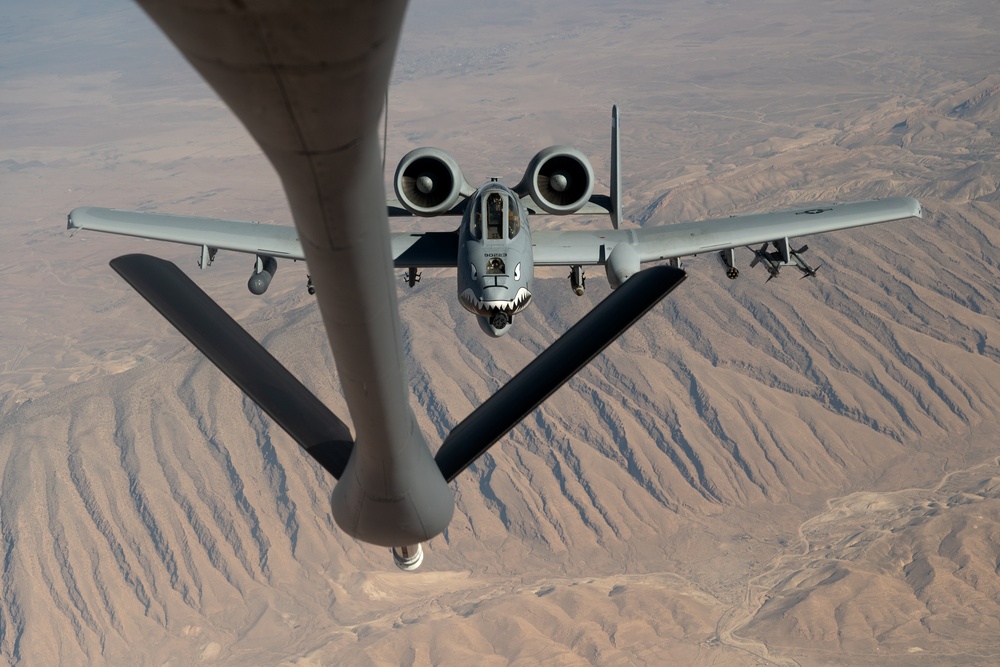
column 559, row 179
column 429, row 182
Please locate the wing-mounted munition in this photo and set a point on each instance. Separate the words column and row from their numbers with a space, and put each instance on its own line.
column 577, row 280
column 782, row 255
column 728, row 259
column 264, row 269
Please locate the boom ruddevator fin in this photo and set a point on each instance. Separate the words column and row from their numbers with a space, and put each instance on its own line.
column 505, row 409
column 237, row 354
column 321, row 433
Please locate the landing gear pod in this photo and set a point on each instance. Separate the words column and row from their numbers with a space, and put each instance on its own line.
column 263, row 271
column 408, row 558
column 577, row 281
column 622, row 264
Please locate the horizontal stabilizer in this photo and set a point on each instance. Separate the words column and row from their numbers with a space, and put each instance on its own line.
column 237, row 354
column 554, row 367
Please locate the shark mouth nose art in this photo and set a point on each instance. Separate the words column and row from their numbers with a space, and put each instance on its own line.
column 479, row 306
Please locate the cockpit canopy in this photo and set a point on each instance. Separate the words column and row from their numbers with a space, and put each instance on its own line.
column 502, row 215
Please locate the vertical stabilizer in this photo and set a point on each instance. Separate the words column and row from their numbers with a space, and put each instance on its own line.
column 616, row 173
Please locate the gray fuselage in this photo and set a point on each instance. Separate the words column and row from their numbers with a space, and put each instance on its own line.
column 495, row 263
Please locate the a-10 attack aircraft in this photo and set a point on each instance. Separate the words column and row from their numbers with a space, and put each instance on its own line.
column 494, row 250
column 308, row 80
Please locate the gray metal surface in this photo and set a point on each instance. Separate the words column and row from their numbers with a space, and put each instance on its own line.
column 550, row 247
column 237, row 235
column 426, row 249
column 308, row 81
column 471, row 438
column 237, row 354
column 555, row 247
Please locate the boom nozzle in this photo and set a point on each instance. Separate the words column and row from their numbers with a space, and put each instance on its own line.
column 408, row 558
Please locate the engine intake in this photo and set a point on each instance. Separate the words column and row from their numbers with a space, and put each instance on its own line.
column 429, row 182
column 559, row 179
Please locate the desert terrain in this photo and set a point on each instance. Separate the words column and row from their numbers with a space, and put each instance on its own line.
column 802, row 472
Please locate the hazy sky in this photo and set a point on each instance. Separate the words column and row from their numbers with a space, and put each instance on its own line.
column 66, row 38
column 61, row 37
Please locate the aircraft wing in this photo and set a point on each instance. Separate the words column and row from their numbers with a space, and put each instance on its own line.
column 425, row 250
column 237, row 235
column 692, row 238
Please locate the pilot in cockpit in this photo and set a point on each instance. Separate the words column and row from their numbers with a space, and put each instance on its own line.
column 494, row 205
column 513, row 220
column 494, row 216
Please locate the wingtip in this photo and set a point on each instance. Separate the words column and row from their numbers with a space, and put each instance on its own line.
column 915, row 208
column 71, row 219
